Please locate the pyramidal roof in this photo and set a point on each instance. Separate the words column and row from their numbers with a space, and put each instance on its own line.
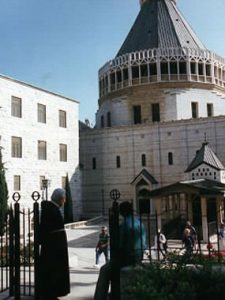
column 160, row 25
column 207, row 156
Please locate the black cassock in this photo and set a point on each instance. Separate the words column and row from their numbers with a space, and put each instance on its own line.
column 54, row 266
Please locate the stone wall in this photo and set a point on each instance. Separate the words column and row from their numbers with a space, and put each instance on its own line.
column 175, row 103
column 29, row 167
column 181, row 138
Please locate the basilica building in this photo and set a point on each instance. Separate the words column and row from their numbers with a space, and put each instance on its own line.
column 161, row 116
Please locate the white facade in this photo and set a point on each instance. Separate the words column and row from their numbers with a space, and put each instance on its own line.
column 30, row 167
column 175, row 104
column 180, row 138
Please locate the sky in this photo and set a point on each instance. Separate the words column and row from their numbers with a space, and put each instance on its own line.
column 60, row 45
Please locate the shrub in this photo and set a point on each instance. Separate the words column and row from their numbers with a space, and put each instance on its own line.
column 175, row 282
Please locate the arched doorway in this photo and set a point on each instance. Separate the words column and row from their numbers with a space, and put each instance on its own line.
column 143, row 201
column 142, row 186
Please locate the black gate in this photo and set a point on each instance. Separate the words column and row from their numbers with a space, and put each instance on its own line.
column 19, row 250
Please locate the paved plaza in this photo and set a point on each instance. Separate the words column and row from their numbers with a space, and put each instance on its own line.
column 82, row 244
column 83, row 274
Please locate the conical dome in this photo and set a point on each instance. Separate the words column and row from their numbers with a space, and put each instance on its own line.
column 159, row 25
column 161, row 47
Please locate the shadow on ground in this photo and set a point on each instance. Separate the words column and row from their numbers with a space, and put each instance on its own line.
column 86, row 241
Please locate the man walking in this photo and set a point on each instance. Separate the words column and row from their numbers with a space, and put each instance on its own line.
column 102, row 246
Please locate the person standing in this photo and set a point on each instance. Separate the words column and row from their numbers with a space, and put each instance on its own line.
column 132, row 243
column 54, row 265
column 102, row 246
column 221, row 235
column 188, row 242
column 193, row 232
column 162, row 243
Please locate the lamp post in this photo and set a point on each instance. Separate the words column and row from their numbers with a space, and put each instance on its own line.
column 103, row 203
column 45, row 184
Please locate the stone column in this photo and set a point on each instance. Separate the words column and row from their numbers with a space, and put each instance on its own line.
column 204, row 218
column 219, row 209
column 159, row 211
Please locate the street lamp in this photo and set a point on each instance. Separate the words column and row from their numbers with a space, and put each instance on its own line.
column 45, row 185
column 103, row 203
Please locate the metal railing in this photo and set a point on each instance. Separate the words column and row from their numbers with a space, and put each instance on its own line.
column 19, row 250
column 153, row 249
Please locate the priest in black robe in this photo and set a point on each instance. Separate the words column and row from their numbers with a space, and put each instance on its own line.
column 54, row 266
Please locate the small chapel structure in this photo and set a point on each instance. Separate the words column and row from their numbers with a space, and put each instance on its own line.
column 199, row 199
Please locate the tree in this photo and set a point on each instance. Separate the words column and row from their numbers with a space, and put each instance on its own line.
column 3, row 195
column 68, row 207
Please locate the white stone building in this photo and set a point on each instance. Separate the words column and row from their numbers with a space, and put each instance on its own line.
column 159, row 97
column 39, row 136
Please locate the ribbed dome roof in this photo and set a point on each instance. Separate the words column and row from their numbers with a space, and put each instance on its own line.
column 160, row 25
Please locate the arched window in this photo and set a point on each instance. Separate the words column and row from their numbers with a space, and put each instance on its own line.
column 109, row 119
column 143, row 160
column 118, row 161
column 170, row 158
column 93, row 163
column 102, row 122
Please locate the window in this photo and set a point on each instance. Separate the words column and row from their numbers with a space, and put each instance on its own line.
column 42, row 150
column 153, row 69
column 164, row 68
column 118, row 161
column 135, row 72
column 144, row 70
column 108, row 119
column 209, row 109
column 41, row 182
column 16, row 184
column 63, row 152
column 194, row 109
column 173, row 67
column 200, row 69
column 63, row 182
column 16, row 107
column 208, row 70
column 93, row 163
column 170, row 158
column 102, row 122
column 112, row 78
column 143, row 160
column 41, row 113
column 125, row 74
column 16, row 147
column 62, row 118
column 193, row 68
column 155, row 112
column 137, row 114
column 183, row 67
column 118, row 76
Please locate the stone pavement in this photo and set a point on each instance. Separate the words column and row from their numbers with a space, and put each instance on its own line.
column 83, row 275
column 81, row 243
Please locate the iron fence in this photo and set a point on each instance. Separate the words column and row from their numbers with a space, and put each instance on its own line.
column 153, row 249
column 19, row 250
